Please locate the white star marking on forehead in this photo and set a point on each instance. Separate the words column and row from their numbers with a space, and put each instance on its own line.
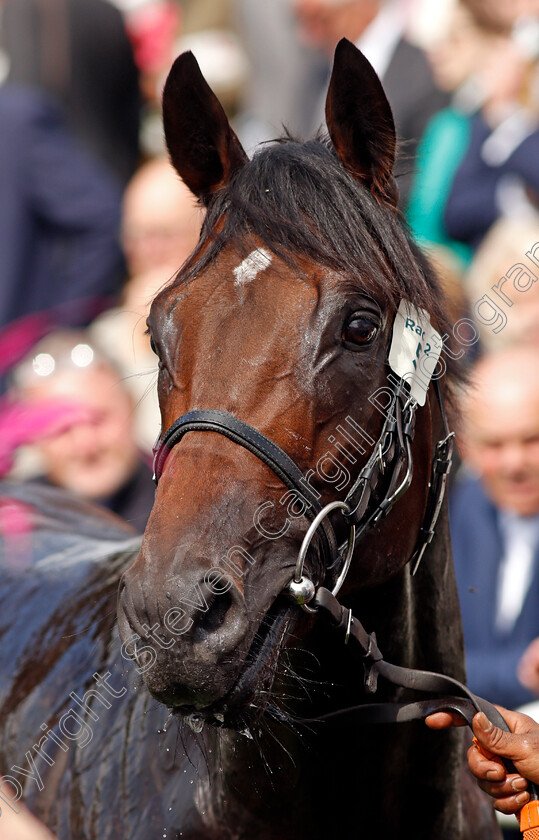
column 252, row 265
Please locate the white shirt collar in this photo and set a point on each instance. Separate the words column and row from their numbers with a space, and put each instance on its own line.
column 379, row 40
column 521, row 538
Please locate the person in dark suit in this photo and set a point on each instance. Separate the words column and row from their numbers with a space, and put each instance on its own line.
column 60, row 213
column 79, row 51
column 497, row 178
column 378, row 30
column 498, row 175
column 494, row 519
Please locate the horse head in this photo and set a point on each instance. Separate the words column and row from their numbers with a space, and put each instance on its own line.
column 273, row 344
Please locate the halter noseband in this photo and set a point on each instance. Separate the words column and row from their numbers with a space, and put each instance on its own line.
column 214, row 420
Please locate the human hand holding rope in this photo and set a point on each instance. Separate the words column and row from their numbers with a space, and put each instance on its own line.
column 510, row 791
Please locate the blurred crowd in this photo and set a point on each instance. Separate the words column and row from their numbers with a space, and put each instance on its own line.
column 94, row 221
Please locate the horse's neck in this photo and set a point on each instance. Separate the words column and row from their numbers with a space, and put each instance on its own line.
column 417, row 623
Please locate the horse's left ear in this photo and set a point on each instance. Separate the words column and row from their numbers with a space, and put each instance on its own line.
column 360, row 122
column 203, row 148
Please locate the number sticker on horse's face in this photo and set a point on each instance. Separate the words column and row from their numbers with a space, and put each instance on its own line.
column 273, row 343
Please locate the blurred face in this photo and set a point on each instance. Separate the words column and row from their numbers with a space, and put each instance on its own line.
column 95, row 456
column 161, row 221
column 459, row 54
column 502, row 436
column 324, row 22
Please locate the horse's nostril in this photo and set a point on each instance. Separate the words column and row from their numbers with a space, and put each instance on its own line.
column 211, row 620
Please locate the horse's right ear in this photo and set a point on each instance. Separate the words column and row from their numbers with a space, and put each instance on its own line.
column 203, row 148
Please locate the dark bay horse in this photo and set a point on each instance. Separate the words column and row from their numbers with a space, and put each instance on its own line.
column 274, row 344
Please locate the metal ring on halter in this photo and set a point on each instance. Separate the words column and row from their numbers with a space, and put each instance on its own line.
column 302, row 589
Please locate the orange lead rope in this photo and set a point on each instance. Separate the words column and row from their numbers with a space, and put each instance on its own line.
column 528, row 816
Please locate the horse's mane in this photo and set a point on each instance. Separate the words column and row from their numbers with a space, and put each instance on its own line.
column 300, row 202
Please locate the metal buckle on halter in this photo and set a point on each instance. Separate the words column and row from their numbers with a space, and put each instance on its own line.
column 444, row 454
column 405, row 438
column 301, row 589
column 440, row 470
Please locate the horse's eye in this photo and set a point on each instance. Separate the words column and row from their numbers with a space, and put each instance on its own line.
column 360, row 330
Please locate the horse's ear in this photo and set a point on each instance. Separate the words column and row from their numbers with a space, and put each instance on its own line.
column 203, row 147
column 360, row 122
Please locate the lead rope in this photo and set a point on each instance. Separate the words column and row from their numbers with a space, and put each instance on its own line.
column 458, row 697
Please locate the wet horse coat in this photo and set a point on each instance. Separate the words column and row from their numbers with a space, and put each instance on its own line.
column 283, row 318
column 121, row 774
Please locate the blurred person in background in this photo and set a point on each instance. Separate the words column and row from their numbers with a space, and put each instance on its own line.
column 504, row 274
column 456, row 59
column 160, row 219
column 285, row 77
column 152, row 26
column 79, row 52
column 59, row 215
column 93, row 454
column 378, row 28
column 498, row 175
column 494, row 520
column 160, row 227
column 162, row 29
